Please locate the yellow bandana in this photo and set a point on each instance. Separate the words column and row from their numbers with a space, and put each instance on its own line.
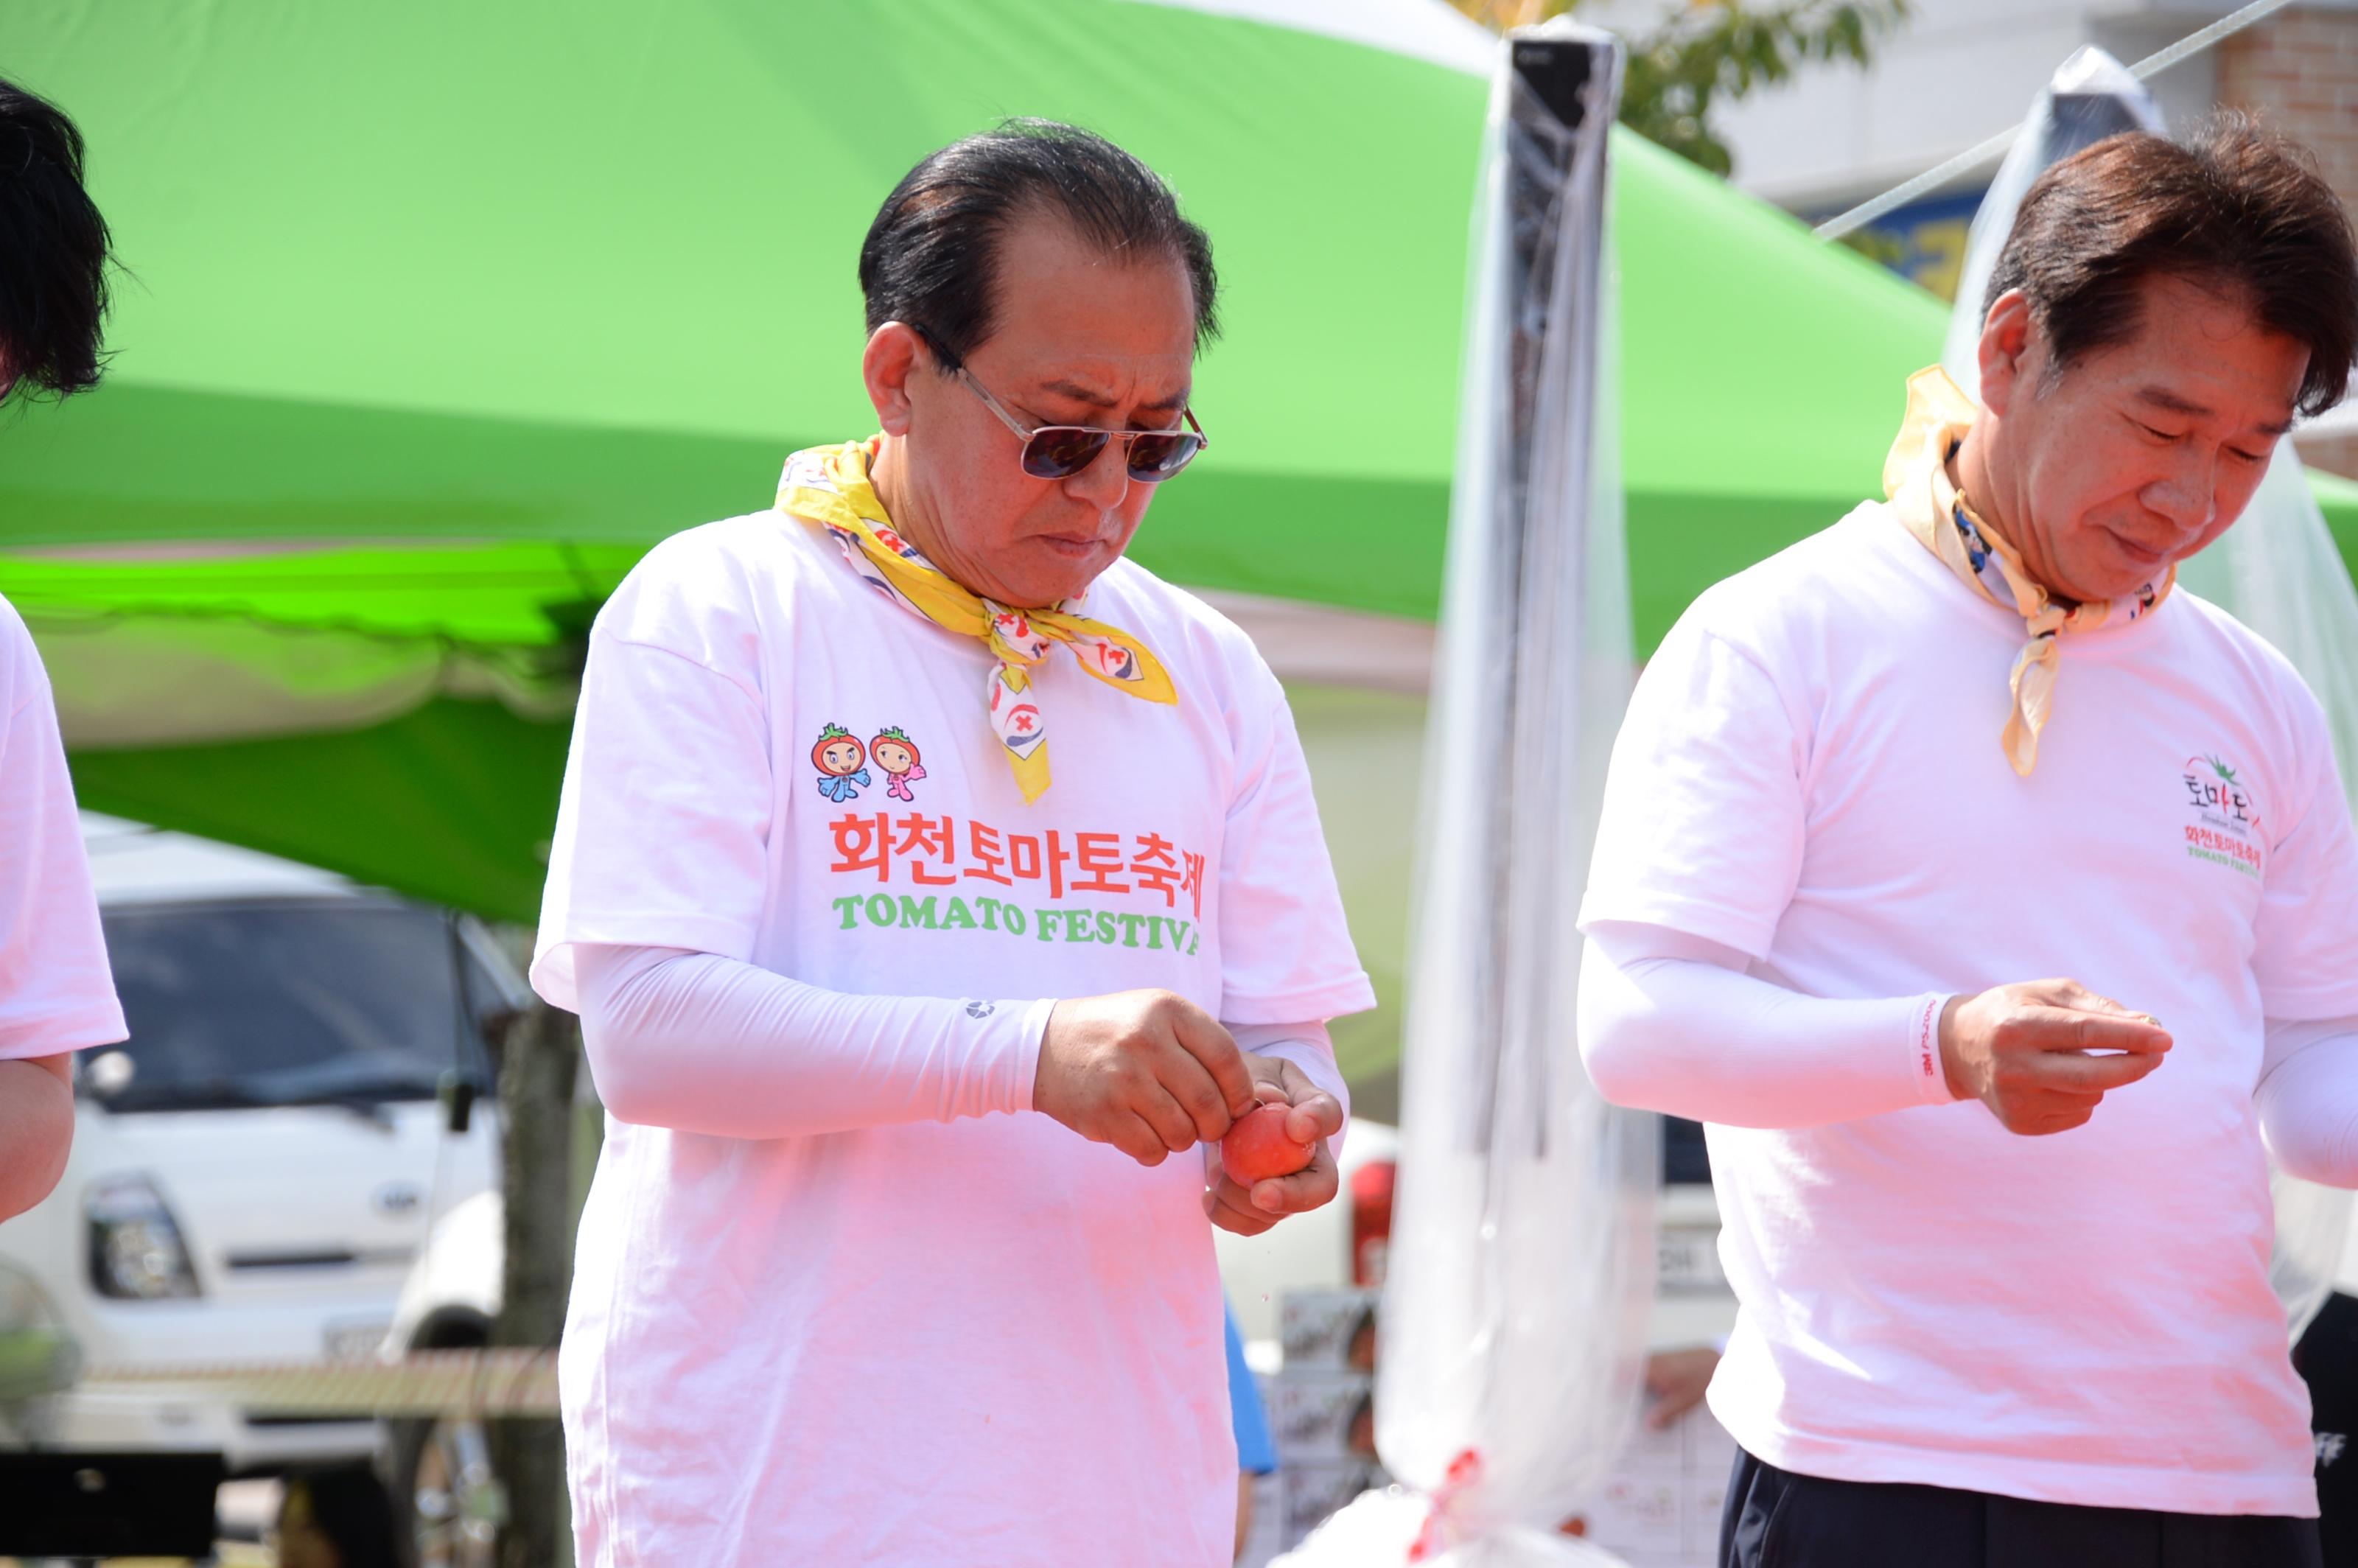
column 1916, row 477
column 829, row 487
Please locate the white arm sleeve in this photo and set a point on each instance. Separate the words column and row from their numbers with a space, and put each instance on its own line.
column 702, row 1044
column 1307, row 1047
column 2308, row 1099
column 1671, row 1023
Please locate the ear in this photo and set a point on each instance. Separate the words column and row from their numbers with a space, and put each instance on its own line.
column 2005, row 350
column 893, row 357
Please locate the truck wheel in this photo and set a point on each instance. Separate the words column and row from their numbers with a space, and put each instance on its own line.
column 443, row 1489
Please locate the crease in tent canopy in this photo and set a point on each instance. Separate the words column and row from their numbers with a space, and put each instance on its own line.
column 127, row 677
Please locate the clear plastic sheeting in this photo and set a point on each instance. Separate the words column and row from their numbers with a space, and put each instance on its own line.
column 2277, row 570
column 2091, row 96
column 1521, row 1270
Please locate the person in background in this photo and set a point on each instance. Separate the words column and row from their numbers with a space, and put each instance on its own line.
column 1995, row 903
column 1256, row 1455
column 55, row 993
column 1675, row 1382
column 335, row 1516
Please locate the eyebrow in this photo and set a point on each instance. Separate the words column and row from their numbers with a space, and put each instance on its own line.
column 2163, row 398
column 1079, row 394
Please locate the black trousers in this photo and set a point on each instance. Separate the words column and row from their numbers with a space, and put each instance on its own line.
column 2327, row 1357
column 1778, row 1520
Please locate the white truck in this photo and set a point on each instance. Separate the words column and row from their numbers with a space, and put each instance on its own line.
column 256, row 1170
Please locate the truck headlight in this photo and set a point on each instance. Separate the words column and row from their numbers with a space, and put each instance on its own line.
column 135, row 1250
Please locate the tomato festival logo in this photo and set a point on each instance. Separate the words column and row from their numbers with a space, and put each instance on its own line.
column 2226, row 826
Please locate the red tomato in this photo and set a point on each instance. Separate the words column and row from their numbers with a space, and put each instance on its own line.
column 1257, row 1147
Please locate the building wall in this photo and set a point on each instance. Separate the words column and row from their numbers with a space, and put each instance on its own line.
column 1955, row 73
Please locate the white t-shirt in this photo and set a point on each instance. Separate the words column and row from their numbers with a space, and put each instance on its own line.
column 56, row 991
column 1810, row 774
column 980, row 1341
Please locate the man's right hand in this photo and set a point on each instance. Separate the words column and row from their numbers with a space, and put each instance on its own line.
column 1148, row 1072
column 2028, row 1052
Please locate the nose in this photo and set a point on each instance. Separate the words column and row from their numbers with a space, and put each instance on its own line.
column 2188, row 494
column 1105, row 480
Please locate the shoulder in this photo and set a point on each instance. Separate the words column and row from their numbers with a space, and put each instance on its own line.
column 20, row 661
column 2218, row 633
column 706, row 592
column 15, row 640
column 1812, row 591
column 2227, row 651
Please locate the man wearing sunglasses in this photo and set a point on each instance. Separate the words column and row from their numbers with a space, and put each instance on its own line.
column 936, row 886
column 56, row 994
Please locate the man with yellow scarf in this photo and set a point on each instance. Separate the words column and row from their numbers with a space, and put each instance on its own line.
column 2001, row 1241
column 900, row 1247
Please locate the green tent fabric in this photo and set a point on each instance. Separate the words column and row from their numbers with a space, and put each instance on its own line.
column 438, row 315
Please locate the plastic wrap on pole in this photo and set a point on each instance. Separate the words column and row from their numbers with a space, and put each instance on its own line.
column 2277, row 570
column 2091, row 96
column 1521, row 1263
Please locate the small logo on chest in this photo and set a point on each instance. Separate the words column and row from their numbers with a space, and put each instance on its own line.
column 2223, row 816
column 842, row 760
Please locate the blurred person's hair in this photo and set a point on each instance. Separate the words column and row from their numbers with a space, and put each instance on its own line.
column 2240, row 210
column 348, row 1505
column 931, row 257
column 53, row 251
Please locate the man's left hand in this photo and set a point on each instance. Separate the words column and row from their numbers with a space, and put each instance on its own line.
column 1315, row 1117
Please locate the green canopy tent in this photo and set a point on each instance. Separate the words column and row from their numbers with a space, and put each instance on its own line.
column 436, row 316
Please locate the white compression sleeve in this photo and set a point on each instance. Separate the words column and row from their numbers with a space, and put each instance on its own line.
column 1671, row 1023
column 2308, row 1099
column 702, row 1044
column 1307, row 1047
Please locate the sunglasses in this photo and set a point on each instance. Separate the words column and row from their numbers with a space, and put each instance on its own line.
column 1060, row 451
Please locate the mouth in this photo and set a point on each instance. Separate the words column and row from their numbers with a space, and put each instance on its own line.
column 1072, row 546
column 2139, row 555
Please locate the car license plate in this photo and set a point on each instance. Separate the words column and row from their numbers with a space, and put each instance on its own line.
column 357, row 1341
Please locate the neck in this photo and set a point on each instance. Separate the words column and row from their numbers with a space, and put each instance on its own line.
column 1970, row 471
column 888, row 476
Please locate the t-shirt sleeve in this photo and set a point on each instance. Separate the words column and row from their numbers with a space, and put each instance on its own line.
column 2305, row 936
column 663, row 830
column 55, row 992
column 1702, row 829
column 1285, row 950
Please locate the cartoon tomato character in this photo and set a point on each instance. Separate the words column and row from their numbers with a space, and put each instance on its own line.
column 842, row 763
column 897, row 755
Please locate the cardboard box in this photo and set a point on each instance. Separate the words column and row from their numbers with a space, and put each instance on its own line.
column 1319, row 1328
column 1322, row 1415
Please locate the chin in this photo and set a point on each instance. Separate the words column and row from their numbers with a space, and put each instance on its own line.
column 1065, row 579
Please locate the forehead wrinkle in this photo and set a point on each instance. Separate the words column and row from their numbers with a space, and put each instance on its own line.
column 2162, row 397
column 1093, row 399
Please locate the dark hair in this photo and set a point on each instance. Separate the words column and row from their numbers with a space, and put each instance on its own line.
column 52, row 251
column 349, row 1506
column 2241, row 208
column 931, row 257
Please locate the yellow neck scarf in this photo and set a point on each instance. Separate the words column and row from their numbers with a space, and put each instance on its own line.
column 1916, row 477
column 828, row 488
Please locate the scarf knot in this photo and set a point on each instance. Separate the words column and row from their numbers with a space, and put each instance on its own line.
column 828, row 488
column 1916, row 479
